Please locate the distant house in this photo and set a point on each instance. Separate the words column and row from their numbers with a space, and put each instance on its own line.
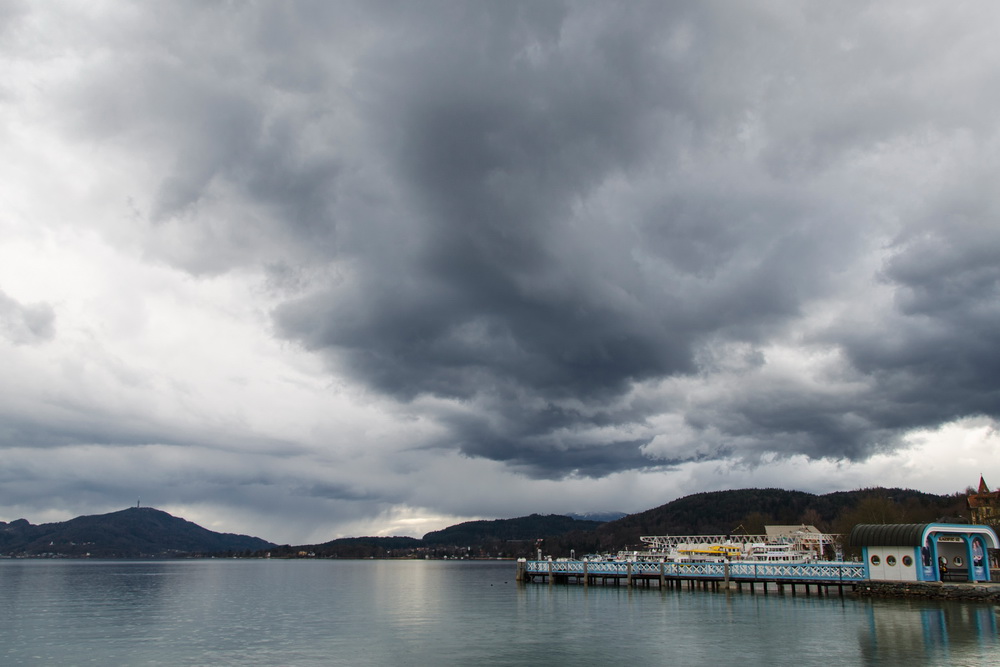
column 984, row 505
column 925, row 551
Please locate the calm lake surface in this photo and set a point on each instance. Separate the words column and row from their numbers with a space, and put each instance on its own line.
column 331, row 612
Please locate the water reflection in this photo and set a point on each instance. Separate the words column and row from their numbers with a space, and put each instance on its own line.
column 446, row 613
column 930, row 633
column 692, row 627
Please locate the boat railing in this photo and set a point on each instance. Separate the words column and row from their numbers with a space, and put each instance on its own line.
column 744, row 570
column 804, row 545
column 668, row 542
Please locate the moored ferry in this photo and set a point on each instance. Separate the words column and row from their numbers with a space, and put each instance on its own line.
column 780, row 544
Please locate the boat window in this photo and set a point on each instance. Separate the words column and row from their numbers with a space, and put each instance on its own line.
column 907, row 561
column 890, row 561
column 876, row 560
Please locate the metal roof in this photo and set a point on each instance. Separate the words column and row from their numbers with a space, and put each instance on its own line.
column 791, row 531
column 912, row 534
column 887, row 535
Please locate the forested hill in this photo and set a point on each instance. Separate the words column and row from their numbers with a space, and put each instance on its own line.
column 749, row 510
column 499, row 537
column 522, row 528
column 131, row 533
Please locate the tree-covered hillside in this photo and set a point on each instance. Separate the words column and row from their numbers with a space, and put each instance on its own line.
column 131, row 533
column 504, row 530
column 749, row 510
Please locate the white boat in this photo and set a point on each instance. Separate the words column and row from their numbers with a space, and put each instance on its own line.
column 763, row 552
column 781, row 544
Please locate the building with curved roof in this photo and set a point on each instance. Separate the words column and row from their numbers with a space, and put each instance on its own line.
column 925, row 551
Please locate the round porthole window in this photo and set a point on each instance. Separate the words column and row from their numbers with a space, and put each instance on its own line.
column 890, row 560
column 958, row 561
column 907, row 561
column 875, row 560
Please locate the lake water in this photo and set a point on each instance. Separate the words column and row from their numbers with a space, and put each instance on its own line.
column 333, row 612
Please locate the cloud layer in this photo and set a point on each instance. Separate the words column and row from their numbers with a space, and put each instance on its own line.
column 343, row 259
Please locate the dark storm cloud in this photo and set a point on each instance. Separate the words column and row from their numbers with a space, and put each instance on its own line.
column 543, row 443
column 931, row 357
column 342, row 492
column 544, row 213
column 481, row 298
column 504, row 289
column 938, row 354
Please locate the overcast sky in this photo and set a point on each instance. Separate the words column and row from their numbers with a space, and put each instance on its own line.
column 317, row 269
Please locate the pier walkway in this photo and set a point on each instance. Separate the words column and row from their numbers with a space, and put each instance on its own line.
column 755, row 575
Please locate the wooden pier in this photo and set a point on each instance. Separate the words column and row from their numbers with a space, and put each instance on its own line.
column 820, row 577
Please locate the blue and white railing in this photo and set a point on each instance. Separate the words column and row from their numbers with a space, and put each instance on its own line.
column 738, row 570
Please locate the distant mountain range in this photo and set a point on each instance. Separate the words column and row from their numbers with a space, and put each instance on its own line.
column 132, row 533
column 148, row 532
column 718, row 512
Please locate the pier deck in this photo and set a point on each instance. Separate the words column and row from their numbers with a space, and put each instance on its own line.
column 756, row 576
